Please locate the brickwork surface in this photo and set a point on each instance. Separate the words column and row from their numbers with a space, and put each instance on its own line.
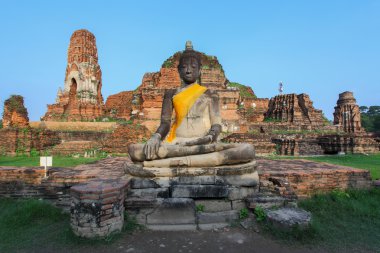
column 28, row 182
column 97, row 208
column 307, row 178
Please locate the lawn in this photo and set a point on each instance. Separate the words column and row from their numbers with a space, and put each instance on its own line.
column 342, row 221
column 29, row 224
column 58, row 161
column 368, row 162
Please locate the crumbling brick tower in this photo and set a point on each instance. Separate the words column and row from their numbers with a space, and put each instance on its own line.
column 81, row 97
column 347, row 113
column 15, row 113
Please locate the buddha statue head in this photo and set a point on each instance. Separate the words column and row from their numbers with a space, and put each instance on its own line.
column 189, row 66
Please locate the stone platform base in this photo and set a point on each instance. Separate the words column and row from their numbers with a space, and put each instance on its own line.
column 190, row 198
column 294, row 178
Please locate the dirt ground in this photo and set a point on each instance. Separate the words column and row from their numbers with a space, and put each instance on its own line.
column 228, row 240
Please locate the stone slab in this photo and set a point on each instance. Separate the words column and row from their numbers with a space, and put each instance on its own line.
column 173, row 211
column 212, row 226
column 148, row 193
column 142, row 183
column 151, row 172
column 211, row 205
column 218, row 217
column 180, row 227
column 251, row 179
column 199, row 191
column 238, row 204
column 287, row 218
column 193, row 180
column 240, row 193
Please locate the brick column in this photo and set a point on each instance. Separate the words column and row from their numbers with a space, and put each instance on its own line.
column 97, row 208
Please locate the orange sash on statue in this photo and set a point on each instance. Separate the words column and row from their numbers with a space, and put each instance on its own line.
column 182, row 103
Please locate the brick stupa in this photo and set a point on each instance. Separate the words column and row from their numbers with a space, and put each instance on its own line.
column 145, row 102
column 81, row 98
column 347, row 113
column 15, row 113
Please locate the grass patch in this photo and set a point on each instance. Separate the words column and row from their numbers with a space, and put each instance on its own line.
column 29, row 224
column 343, row 221
column 58, row 161
column 368, row 162
column 244, row 90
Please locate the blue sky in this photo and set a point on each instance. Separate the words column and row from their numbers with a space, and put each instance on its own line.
column 321, row 48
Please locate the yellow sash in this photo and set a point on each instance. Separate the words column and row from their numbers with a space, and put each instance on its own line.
column 183, row 102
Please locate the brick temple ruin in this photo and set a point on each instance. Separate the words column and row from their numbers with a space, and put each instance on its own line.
column 97, row 194
column 286, row 124
column 81, row 97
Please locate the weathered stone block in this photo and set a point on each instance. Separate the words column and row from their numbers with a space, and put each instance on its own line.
column 265, row 201
column 193, row 180
column 287, row 218
column 238, row 204
column 249, row 180
column 212, row 226
column 218, row 217
column 177, row 227
column 239, row 193
column 142, row 183
column 199, row 191
column 214, row 205
column 148, row 193
column 137, row 202
column 173, row 211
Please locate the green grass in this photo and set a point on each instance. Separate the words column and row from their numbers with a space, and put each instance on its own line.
column 367, row 162
column 28, row 224
column 243, row 89
column 344, row 221
column 58, row 161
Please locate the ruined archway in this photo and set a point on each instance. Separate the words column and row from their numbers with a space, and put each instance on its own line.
column 73, row 89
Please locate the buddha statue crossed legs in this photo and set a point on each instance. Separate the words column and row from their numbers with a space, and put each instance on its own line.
column 191, row 139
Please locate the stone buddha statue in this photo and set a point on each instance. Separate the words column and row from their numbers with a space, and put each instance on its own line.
column 190, row 139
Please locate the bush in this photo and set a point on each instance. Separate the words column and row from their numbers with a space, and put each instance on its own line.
column 260, row 213
column 243, row 214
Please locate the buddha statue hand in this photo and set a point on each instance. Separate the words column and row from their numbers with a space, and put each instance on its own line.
column 200, row 141
column 152, row 146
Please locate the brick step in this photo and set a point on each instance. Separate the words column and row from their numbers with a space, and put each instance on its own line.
column 265, row 200
column 74, row 147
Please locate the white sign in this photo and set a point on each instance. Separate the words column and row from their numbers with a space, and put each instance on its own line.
column 46, row 161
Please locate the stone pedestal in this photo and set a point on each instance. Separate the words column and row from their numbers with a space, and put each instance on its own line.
column 97, row 208
column 187, row 198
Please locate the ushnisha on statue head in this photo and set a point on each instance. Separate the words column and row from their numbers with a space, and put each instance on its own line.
column 189, row 66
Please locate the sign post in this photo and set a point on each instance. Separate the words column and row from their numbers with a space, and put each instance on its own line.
column 46, row 161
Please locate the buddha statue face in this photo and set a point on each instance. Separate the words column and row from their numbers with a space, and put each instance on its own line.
column 189, row 69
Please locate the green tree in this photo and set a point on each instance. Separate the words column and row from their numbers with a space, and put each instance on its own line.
column 363, row 109
column 374, row 110
column 370, row 118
